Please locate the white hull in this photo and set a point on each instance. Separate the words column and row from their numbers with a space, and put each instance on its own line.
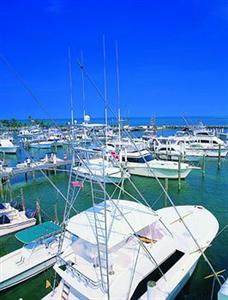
column 27, row 274
column 99, row 178
column 16, row 226
column 158, row 172
column 41, row 146
column 9, row 150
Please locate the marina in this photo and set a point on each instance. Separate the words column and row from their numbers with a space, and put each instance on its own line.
column 113, row 150
column 199, row 181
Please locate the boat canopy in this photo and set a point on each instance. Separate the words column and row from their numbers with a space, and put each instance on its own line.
column 4, row 220
column 123, row 219
column 37, row 232
column 2, row 206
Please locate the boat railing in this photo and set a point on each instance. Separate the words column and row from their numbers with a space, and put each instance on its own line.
column 77, row 273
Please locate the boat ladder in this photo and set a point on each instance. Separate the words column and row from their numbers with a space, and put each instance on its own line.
column 101, row 233
column 65, row 291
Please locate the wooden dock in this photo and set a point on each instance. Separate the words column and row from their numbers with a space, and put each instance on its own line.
column 36, row 166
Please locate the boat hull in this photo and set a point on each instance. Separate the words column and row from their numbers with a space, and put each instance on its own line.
column 98, row 178
column 27, row 274
column 158, row 172
column 9, row 150
column 10, row 228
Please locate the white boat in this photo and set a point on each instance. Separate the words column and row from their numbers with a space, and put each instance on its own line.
column 136, row 246
column 193, row 146
column 12, row 220
column 97, row 169
column 141, row 163
column 41, row 244
column 7, row 146
column 42, row 144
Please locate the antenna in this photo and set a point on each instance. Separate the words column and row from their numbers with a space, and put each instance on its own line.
column 118, row 85
column 71, row 87
column 83, row 84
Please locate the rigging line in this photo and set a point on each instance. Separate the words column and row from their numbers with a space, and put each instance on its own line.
column 71, row 86
column 83, row 83
column 133, row 273
column 168, row 197
column 25, row 85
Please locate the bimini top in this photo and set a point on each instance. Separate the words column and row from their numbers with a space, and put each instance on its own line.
column 37, row 232
column 123, row 219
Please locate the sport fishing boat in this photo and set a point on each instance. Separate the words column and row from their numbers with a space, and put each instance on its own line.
column 7, row 146
column 141, row 163
column 103, row 170
column 11, row 219
column 122, row 245
column 41, row 244
column 193, row 145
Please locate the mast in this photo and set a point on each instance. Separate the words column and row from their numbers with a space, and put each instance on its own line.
column 105, row 90
column 118, row 86
column 83, row 84
column 104, row 187
column 71, row 87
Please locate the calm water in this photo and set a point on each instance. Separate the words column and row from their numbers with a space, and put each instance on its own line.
column 210, row 191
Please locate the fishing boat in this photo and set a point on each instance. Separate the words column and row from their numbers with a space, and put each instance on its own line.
column 38, row 254
column 123, row 244
column 141, row 163
column 102, row 170
column 11, row 219
column 7, row 146
column 193, row 145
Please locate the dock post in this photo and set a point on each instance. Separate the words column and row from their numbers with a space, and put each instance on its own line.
column 38, row 211
column 150, row 285
column 166, row 189
column 203, row 165
column 219, row 156
column 26, row 177
column 22, row 199
column 179, row 173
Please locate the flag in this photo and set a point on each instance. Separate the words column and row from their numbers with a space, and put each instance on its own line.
column 115, row 155
column 47, row 284
column 77, row 184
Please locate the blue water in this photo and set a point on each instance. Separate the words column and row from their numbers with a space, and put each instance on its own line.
column 209, row 191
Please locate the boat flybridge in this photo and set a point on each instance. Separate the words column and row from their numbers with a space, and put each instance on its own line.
column 11, row 219
column 122, row 245
column 100, row 165
column 41, row 244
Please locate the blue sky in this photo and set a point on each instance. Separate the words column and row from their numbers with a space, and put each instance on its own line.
column 173, row 56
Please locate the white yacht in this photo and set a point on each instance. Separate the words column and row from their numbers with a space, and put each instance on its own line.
column 137, row 245
column 98, row 169
column 194, row 146
column 7, row 146
column 39, row 252
column 141, row 163
column 12, row 220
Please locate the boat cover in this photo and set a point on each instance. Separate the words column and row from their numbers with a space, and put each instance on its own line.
column 37, row 232
column 2, row 206
column 4, row 220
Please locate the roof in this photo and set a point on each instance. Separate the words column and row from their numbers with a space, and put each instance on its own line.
column 118, row 220
column 37, row 232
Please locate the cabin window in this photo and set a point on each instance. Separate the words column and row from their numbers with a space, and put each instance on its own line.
column 215, row 142
column 140, row 160
column 156, row 274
